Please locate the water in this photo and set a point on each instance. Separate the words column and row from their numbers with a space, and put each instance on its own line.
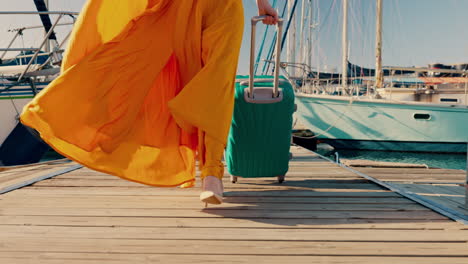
column 435, row 160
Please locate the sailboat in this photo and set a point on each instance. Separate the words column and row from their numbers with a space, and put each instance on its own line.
column 428, row 114
column 21, row 79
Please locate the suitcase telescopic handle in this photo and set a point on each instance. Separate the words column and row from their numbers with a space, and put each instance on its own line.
column 279, row 27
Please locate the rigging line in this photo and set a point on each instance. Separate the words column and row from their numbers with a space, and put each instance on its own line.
column 259, row 55
column 328, row 14
column 303, row 34
column 321, row 57
column 356, row 30
column 290, row 20
column 266, row 65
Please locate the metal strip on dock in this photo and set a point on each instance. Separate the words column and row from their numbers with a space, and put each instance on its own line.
column 39, row 178
column 443, row 210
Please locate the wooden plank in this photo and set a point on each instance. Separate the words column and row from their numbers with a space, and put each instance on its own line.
column 143, row 246
column 26, row 167
column 271, row 185
column 195, row 205
column 14, row 174
column 380, row 164
column 22, row 197
column 194, row 192
column 410, row 171
column 218, row 212
column 99, row 258
column 424, row 181
column 46, row 199
column 306, row 172
column 291, row 176
column 310, row 223
column 226, row 180
column 235, row 233
column 409, row 178
column 19, row 170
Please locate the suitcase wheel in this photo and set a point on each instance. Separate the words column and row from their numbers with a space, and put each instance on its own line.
column 281, row 178
column 233, row 179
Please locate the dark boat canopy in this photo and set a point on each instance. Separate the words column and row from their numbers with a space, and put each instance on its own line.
column 355, row 71
column 358, row 71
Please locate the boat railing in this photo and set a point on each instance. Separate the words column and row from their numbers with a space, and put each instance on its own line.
column 54, row 54
column 312, row 85
column 361, row 85
column 464, row 72
column 19, row 32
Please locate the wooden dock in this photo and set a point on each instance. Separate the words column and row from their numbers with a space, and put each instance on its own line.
column 323, row 213
column 442, row 190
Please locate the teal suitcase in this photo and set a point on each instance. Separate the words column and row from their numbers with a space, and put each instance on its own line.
column 260, row 136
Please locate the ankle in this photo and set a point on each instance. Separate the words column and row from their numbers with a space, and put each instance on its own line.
column 212, row 183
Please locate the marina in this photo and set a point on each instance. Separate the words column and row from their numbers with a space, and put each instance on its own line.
column 406, row 109
column 379, row 176
column 322, row 212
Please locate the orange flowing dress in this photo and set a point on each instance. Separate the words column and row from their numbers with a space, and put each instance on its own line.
column 140, row 80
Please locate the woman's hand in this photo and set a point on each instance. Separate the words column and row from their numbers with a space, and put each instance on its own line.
column 264, row 8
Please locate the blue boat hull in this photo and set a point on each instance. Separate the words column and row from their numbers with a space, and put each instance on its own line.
column 436, row 147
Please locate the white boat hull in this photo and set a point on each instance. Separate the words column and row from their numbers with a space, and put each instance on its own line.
column 385, row 125
column 11, row 105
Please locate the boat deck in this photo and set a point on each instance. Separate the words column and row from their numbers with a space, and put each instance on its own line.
column 323, row 213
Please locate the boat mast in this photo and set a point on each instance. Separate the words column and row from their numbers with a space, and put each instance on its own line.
column 345, row 46
column 309, row 48
column 301, row 29
column 47, row 46
column 378, row 44
column 291, row 54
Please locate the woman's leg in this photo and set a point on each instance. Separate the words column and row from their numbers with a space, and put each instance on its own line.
column 212, row 161
column 212, row 170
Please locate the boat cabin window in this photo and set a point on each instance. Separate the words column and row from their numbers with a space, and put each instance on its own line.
column 448, row 100
column 422, row 116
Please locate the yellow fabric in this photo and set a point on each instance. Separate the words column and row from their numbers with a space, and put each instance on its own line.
column 140, row 80
column 211, row 163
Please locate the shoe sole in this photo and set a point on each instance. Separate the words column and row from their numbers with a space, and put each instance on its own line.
column 211, row 198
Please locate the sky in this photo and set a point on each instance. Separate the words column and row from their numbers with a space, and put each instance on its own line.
column 415, row 32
